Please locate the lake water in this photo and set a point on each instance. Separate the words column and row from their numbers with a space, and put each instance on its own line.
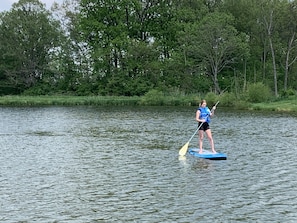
column 121, row 164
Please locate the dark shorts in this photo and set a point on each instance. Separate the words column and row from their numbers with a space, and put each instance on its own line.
column 204, row 126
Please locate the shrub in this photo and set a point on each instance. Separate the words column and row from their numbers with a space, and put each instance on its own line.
column 258, row 92
column 153, row 97
column 228, row 99
column 288, row 93
column 211, row 98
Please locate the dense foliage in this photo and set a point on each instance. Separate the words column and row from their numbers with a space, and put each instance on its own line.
column 136, row 47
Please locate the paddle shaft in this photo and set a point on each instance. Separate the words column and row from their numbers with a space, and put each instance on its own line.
column 195, row 131
column 216, row 104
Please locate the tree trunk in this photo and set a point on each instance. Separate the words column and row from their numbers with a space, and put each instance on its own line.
column 268, row 26
column 216, row 83
column 287, row 63
column 274, row 67
column 244, row 77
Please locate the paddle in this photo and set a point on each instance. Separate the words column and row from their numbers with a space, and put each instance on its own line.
column 184, row 149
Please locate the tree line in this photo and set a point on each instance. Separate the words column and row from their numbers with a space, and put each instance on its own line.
column 130, row 47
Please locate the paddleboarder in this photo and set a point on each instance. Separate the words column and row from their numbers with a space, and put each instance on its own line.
column 203, row 115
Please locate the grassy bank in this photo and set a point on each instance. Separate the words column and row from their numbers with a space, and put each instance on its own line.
column 99, row 100
column 285, row 105
column 66, row 100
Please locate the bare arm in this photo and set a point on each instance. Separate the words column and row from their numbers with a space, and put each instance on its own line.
column 197, row 117
column 212, row 111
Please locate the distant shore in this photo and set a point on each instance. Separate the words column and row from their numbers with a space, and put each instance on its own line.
column 283, row 105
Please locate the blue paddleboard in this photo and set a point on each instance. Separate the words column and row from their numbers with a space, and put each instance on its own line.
column 207, row 154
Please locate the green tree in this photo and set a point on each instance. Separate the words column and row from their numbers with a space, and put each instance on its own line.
column 120, row 32
column 245, row 15
column 287, row 31
column 105, row 26
column 28, row 36
column 180, row 70
column 71, row 62
column 271, row 27
column 216, row 45
column 268, row 22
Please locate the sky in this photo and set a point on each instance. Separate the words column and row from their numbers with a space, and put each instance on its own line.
column 5, row 5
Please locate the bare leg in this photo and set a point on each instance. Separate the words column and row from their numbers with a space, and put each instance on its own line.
column 210, row 139
column 201, row 134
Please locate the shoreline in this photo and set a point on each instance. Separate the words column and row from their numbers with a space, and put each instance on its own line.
column 281, row 105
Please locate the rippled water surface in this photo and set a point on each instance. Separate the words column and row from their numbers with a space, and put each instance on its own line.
column 121, row 164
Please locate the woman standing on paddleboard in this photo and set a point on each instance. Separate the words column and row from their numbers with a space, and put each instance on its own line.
column 203, row 115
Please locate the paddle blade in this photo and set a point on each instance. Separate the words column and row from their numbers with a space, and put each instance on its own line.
column 184, row 149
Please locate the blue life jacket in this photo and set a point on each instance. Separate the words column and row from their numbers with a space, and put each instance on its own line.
column 204, row 114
